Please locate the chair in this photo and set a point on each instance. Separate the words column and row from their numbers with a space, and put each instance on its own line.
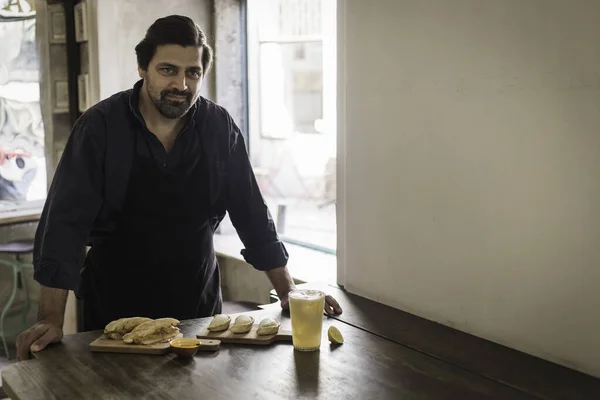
column 17, row 250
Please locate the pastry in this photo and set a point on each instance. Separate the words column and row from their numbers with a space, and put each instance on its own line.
column 162, row 335
column 116, row 329
column 154, row 331
column 219, row 323
column 268, row 326
column 242, row 324
column 114, row 335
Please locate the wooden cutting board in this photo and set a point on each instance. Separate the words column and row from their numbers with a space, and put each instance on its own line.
column 246, row 338
column 105, row 345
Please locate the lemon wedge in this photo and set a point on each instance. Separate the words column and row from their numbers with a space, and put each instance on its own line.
column 335, row 336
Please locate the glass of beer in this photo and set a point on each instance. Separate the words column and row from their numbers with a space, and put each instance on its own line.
column 306, row 312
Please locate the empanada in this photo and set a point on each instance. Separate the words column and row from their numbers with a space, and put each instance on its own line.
column 268, row 326
column 242, row 324
column 219, row 323
column 116, row 329
column 159, row 330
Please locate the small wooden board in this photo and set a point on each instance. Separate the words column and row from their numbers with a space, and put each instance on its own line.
column 105, row 345
column 246, row 338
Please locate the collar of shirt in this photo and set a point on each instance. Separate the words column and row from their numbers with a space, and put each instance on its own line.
column 186, row 143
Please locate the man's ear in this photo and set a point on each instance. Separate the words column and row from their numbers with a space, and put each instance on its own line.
column 141, row 72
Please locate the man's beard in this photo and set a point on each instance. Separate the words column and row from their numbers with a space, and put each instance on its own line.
column 169, row 108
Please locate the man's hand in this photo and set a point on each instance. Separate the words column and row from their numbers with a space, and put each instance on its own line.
column 51, row 311
column 37, row 338
column 283, row 283
column 331, row 305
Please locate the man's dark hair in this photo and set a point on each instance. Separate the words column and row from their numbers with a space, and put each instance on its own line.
column 174, row 29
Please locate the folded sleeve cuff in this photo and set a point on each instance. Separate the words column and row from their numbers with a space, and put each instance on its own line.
column 267, row 257
column 52, row 274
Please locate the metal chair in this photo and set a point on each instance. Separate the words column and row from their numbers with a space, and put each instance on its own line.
column 17, row 250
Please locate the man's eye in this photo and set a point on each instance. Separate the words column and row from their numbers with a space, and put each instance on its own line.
column 168, row 71
column 195, row 74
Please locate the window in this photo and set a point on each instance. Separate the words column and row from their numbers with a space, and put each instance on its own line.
column 291, row 106
column 22, row 159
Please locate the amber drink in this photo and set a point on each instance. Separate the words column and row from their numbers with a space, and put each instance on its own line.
column 306, row 312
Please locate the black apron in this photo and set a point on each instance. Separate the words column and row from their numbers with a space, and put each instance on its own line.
column 159, row 261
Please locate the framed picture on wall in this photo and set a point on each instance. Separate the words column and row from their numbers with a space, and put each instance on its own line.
column 83, row 89
column 56, row 18
column 61, row 97
column 81, row 28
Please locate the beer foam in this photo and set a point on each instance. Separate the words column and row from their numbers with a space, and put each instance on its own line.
column 306, row 294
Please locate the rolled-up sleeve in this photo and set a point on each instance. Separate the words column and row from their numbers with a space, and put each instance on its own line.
column 73, row 202
column 248, row 211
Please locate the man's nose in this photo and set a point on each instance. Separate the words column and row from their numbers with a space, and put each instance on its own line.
column 179, row 82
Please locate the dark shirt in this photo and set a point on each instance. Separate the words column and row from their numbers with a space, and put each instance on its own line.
column 89, row 185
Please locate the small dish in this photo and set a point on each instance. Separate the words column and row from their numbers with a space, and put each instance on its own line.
column 185, row 347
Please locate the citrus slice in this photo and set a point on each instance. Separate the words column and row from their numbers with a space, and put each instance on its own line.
column 335, row 336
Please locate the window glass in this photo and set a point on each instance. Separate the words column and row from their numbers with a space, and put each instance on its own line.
column 22, row 159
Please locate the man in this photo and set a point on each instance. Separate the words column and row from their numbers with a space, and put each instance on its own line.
column 145, row 178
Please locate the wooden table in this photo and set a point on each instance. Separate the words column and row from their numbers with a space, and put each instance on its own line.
column 366, row 366
column 539, row 378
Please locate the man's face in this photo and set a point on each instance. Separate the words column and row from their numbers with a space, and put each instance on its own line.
column 173, row 79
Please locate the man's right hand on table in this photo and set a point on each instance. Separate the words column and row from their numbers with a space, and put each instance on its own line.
column 51, row 311
column 37, row 338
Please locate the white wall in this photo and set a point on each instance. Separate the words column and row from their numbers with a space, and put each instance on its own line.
column 471, row 147
column 122, row 24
